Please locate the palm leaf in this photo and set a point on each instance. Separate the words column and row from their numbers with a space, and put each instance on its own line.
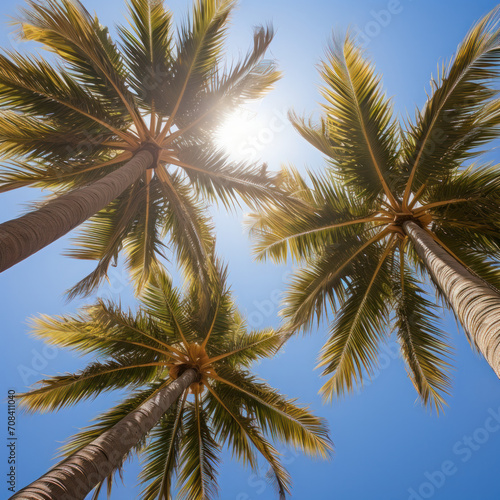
column 360, row 126
column 197, row 472
column 458, row 117
column 276, row 415
column 324, row 279
column 277, row 476
column 424, row 345
column 359, row 326
column 64, row 390
column 66, row 28
column 161, row 456
column 148, row 50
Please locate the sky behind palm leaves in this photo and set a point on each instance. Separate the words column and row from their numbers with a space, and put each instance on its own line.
column 387, row 445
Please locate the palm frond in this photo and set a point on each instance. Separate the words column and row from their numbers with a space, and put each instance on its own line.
column 33, row 86
column 242, row 348
column 217, row 178
column 277, row 475
column 468, row 199
column 328, row 215
column 188, row 227
column 323, row 281
column 143, row 244
column 361, row 130
column 147, row 46
column 59, row 391
column 103, row 330
column 161, row 455
column 101, row 238
column 164, row 303
column 460, row 115
column 359, row 326
column 199, row 45
column 424, row 346
column 278, row 416
column 66, row 28
column 200, row 452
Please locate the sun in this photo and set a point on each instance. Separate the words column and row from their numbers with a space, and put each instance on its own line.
column 238, row 134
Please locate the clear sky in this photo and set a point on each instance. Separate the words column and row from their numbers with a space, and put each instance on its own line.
column 387, row 446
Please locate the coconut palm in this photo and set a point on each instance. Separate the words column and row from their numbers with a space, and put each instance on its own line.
column 123, row 132
column 191, row 392
column 397, row 205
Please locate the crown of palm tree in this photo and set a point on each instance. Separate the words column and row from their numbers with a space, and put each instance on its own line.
column 144, row 352
column 380, row 176
column 68, row 122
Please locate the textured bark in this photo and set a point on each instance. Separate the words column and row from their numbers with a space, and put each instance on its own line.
column 476, row 305
column 76, row 476
column 22, row 237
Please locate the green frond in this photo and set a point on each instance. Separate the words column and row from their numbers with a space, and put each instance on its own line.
column 164, row 303
column 199, row 45
column 59, row 391
column 242, row 348
column 231, row 422
column 59, row 176
column 218, row 179
column 147, row 46
column 315, row 133
column 103, row 330
column 323, row 281
column 39, row 89
column 101, row 238
column 162, row 455
column 231, row 87
column 251, row 77
column 228, row 429
column 460, row 115
column 424, row 346
column 359, row 120
column 327, row 215
column 277, row 416
column 213, row 322
column 188, row 228
column 143, row 244
column 360, row 324
column 35, row 140
column 66, row 28
column 468, row 200
column 200, row 456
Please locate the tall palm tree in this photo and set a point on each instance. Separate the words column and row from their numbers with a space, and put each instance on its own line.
column 191, row 393
column 395, row 203
column 124, row 132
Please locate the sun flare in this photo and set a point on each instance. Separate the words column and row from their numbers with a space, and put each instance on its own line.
column 238, row 133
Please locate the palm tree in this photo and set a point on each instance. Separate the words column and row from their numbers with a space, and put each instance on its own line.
column 124, row 132
column 396, row 206
column 191, row 393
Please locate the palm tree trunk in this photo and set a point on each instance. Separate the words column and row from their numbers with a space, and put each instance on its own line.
column 22, row 237
column 476, row 304
column 76, row 476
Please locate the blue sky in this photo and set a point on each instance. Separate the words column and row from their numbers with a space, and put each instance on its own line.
column 387, row 446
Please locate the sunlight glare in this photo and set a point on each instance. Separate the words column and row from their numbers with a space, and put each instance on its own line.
column 236, row 134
